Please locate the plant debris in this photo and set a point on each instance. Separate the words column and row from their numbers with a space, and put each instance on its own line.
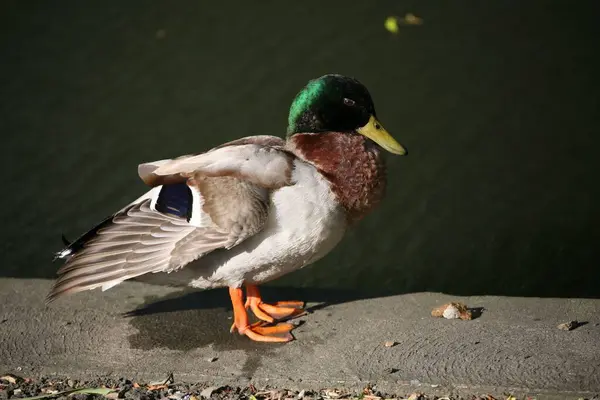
column 412, row 19
column 9, row 378
column 569, row 326
column 107, row 388
column 206, row 393
column 453, row 310
column 54, row 393
column 392, row 23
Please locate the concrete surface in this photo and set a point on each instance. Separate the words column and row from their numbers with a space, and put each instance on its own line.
column 513, row 346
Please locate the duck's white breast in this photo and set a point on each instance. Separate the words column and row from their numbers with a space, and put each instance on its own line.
column 305, row 223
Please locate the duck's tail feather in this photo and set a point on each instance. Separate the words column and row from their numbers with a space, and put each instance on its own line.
column 71, row 248
column 65, row 241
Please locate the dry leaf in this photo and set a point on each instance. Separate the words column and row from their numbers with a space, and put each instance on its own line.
column 452, row 311
column 391, row 24
column 100, row 391
column 569, row 326
column 412, row 19
column 206, row 393
column 157, row 387
column 332, row 394
column 9, row 378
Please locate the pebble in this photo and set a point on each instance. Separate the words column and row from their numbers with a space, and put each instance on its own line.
column 451, row 312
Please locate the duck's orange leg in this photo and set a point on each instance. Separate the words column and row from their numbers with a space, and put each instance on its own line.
column 271, row 313
column 278, row 333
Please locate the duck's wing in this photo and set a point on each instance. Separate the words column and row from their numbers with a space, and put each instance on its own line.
column 266, row 166
column 199, row 203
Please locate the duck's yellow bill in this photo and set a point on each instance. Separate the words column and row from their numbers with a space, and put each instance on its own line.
column 377, row 133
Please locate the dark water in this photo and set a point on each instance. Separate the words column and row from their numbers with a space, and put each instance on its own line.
column 497, row 102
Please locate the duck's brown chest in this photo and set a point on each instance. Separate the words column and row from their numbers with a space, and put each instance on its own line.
column 351, row 163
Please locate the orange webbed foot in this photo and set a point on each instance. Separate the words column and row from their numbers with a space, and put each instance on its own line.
column 259, row 332
column 282, row 310
column 279, row 333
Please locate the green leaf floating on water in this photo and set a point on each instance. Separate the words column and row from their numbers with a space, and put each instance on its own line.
column 101, row 391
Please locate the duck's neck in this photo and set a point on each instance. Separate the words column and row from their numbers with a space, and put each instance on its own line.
column 350, row 162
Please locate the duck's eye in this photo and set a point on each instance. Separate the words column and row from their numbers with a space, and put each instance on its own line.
column 349, row 102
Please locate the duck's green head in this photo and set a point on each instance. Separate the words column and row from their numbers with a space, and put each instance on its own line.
column 337, row 103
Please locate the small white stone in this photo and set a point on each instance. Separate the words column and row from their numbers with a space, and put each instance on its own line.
column 451, row 312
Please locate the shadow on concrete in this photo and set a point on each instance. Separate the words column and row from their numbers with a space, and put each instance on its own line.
column 190, row 320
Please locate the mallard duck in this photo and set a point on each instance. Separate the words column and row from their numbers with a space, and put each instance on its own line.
column 248, row 211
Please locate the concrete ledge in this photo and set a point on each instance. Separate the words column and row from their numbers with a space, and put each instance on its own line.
column 514, row 346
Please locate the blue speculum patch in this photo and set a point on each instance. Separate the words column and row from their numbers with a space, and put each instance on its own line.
column 176, row 200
